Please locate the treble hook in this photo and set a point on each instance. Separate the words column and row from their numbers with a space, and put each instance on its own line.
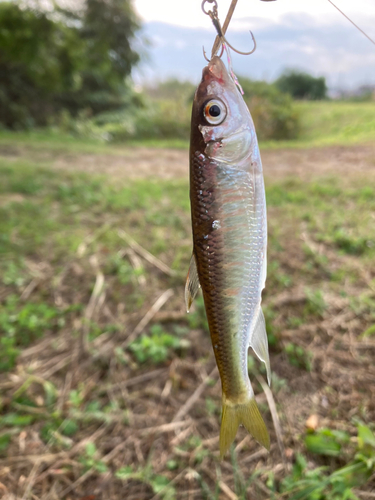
column 205, row 56
column 238, row 51
column 216, row 22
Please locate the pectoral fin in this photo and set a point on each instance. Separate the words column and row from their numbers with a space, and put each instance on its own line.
column 259, row 343
column 192, row 283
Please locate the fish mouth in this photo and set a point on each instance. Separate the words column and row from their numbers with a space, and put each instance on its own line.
column 215, row 70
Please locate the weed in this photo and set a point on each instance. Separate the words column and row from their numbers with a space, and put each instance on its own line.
column 14, row 274
column 327, row 442
column 4, row 442
column 295, row 321
column 159, row 484
column 156, row 346
column 16, row 420
column 298, row 356
column 59, row 431
column 91, row 460
column 369, row 332
column 275, row 273
column 23, row 323
column 122, row 268
column 315, row 303
column 350, row 244
column 315, row 484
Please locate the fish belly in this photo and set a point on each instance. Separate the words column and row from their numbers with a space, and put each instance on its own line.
column 229, row 233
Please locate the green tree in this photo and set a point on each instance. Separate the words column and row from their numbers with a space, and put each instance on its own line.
column 302, row 85
column 108, row 28
column 37, row 63
column 64, row 59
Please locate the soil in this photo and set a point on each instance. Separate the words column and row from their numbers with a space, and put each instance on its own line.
column 166, row 407
column 170, row 164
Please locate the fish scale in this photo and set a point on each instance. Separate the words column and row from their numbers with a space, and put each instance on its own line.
column 229, row 242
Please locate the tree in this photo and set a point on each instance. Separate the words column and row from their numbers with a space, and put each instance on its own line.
column 33, row 68
column 64, row 59
column 302, row 85
column 107, row 30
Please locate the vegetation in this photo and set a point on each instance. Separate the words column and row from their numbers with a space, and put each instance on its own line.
column 302, row 85
column 69, row 60
column 108, row 388
column 99, row 377
column 274, row 113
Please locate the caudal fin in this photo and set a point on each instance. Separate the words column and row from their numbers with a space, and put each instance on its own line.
column 248, row 415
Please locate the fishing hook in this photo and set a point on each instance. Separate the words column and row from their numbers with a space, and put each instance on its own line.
column 205, row 56
column 238, row 51
column 220, row 32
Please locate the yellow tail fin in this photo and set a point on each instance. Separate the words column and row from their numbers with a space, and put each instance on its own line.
column 248, row 415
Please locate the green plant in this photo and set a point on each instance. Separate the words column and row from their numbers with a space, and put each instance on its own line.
column 301, row 85
column 298, row 356
column 273, row 111
column 327, row 442
column 156, row 346
column 315, row 303
column 21, row 324
column 159, row 484
column 305, row 483
column 91, row 460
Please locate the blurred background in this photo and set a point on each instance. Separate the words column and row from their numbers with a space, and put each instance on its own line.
column 108, row 389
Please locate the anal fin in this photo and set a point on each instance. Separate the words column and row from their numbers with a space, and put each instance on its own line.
column 259, row 343
column 192, row 283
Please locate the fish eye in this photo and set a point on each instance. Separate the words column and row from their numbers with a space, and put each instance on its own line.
column 214, row 111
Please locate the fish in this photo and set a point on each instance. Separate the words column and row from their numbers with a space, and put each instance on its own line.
column 229, row 258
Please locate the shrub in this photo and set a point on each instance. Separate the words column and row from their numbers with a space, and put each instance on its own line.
column 273, row 111
column 302, row 85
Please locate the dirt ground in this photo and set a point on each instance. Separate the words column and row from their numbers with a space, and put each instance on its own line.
column 169, row 164
column 167, row 406
column 135, row 163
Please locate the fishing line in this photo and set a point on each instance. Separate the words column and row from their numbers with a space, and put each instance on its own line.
column 224, row 27
column 234, row 77
column 348, row 18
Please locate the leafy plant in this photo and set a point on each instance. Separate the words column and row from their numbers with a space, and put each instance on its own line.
column 159, row 484
column 21, row 324
column 301, row 85
column 91, row 459
column 317, row 484
column 327, row 442
column 156, row 346
column 315, row 303
column 298, row 356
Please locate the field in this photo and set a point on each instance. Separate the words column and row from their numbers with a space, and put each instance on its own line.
column 109, row 389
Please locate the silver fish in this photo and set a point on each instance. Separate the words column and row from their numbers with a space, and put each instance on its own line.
column 229, row 223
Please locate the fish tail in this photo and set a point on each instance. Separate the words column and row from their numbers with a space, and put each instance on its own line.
column 247, row 414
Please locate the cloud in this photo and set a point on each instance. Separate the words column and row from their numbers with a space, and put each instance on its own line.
column 334, row 50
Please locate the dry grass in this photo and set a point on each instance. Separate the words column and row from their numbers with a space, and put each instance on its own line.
column 100, row 424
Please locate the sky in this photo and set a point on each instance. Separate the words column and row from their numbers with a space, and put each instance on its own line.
column 188, row 13
column 309, row 35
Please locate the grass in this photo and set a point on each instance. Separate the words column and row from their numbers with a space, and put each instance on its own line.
column 323, row 123
column 330, row 123
column 92, row 408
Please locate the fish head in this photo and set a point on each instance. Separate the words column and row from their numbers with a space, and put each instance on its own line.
column 221, row 116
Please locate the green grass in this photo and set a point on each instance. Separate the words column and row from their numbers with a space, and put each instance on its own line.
column 323, row 123
column 330, row 123
column 56, row 141
column 59, row 231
